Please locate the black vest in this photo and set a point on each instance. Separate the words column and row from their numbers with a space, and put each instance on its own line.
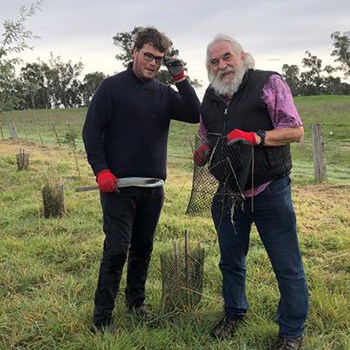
column 247, row 112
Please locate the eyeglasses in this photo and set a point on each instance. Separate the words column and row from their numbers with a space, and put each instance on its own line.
column 149, row 57
column 215, row 61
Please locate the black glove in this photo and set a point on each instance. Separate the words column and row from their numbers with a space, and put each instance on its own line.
column 176, row 68
column 202, row 155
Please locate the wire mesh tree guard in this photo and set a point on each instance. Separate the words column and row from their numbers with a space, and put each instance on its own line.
column 182, row 276
column 225, row 173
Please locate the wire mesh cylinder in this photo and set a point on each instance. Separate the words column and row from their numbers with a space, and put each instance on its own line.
column 226, row 172
column 182, row 278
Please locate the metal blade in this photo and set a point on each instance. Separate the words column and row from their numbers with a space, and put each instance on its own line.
column 122, row 183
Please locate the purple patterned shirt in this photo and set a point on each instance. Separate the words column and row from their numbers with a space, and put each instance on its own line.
column 282, row 111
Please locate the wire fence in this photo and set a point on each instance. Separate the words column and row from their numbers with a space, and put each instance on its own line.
column 181, row 147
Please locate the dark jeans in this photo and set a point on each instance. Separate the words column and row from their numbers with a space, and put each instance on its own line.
column 130, row 218
column 274, row 217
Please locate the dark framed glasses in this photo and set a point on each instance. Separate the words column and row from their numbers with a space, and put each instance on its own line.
column 149, row 57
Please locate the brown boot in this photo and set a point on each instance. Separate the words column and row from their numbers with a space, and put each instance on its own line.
column 105, row 326
column 143, row 313
column 283, row 343
column 225, row 328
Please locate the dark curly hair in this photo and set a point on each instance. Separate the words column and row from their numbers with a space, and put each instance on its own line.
column 150, row 35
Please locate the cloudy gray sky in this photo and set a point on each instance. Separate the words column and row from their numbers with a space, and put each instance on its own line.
column 273, row 31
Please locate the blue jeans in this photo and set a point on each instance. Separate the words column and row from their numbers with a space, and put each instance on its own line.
column 274, row 217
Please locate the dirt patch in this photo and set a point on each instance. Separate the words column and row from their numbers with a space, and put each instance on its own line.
column 324, row 192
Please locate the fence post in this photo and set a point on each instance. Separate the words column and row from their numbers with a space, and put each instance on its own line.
column 57, row 138
column 318, row 151
column 2, row 134
column 13, row 131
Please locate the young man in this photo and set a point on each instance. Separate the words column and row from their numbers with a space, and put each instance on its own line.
column 125, row 136
column 256, row 106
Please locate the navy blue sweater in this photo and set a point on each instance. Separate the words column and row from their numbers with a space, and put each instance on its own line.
column 127, row 124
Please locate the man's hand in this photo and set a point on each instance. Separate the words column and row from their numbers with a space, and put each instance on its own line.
column 106, row 181
column 176, row 68
column 202, row 154
column 236, row 134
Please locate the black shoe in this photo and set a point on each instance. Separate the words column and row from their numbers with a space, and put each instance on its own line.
column 105, row 326
column 143, row 313
column 283, row 343
column 225, row 328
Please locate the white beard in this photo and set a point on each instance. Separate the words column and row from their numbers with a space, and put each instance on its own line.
column 230, row 87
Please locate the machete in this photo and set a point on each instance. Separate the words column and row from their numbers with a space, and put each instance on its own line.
column 122, row 183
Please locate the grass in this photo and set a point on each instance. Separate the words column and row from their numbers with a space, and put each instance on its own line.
column 331, row 112
column 48, row 267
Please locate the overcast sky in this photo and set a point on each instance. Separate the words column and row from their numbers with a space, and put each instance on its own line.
column 275, row 32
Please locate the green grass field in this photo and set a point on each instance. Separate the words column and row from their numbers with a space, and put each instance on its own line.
column 48, row 267
column 54, row 127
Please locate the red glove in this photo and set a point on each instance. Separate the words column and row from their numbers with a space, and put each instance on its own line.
column 240, row 134
column 201, row 155
column 106, row 181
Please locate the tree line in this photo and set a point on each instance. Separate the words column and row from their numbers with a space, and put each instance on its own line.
column 316, row 79
column 39, row 85
column 53, row 84
column 58, row 84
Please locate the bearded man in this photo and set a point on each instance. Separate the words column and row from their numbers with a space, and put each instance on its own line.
column 256, row 106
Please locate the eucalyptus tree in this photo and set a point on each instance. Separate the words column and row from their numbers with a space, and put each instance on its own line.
column 312, row 79
column 35, row 89
column 291, row 73
column 63, row 82
column 14, row 40
column 89, row 85
column 341, row 43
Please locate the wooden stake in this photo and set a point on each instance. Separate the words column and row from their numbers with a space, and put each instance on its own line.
column 176, row 262
column 58, row 139
column 22, row 160
column 187, row 276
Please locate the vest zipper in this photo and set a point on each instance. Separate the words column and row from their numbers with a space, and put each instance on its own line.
column 225, row 120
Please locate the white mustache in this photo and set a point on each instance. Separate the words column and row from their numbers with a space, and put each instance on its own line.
column 225, row 72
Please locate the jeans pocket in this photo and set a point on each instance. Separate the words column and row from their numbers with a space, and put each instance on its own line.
column 279, row 185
